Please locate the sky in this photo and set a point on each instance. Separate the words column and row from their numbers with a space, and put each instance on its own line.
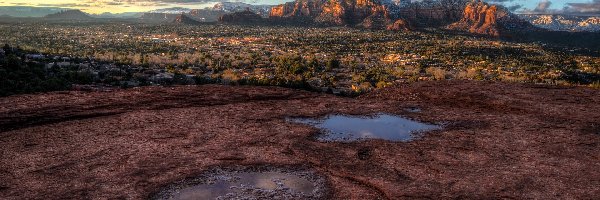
column 120, row 6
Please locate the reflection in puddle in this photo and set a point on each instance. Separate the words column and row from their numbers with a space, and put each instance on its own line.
column 382, row 126
column 250, row 184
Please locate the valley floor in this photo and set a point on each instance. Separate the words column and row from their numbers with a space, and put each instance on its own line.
column 501, row 140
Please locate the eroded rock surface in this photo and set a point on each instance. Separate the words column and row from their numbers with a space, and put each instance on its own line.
column 501, row 141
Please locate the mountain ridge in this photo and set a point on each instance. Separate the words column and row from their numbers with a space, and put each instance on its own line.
column 69, row 15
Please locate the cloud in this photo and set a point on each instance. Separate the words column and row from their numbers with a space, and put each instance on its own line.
column 542, row 6
column 162, row 2
column 499, row 1
column 514, row 8
column 592, row 8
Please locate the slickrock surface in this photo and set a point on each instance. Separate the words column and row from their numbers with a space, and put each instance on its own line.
column 501, row 141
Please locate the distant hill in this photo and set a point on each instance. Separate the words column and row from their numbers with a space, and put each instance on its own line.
column 119, row 15
column 173, row 10
column 158, row 17
column 185, row 19
column 206, row 15
column 27, row 11
column 210, row 14
column 69, row 15
column 231, row 7
column 243, row 17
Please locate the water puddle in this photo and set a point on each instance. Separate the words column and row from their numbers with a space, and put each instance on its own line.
column 342, row 128
column 248, row 185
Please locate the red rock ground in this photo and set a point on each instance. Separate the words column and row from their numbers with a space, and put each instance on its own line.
column 502, row 141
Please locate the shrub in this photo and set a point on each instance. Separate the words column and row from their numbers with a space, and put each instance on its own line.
column 437, row 73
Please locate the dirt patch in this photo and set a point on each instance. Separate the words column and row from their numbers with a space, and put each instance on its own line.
column 501, row 141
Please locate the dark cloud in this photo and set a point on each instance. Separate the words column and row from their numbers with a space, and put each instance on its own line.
column 543, row 7
column 592, row 8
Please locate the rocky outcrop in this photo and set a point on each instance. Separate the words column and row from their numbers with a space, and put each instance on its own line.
column 379, row 20
column 185, row 19
column 299, row 8
column 492, row 20
column 349, row 12
column 479, row 18
column 370, row 14
column 399, row 25
column 244, row 17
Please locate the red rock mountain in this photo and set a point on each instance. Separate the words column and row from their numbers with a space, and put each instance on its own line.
column 299, row 8
column 368, row 14
column 475, row 17
column 485, row 19
column 399, row 25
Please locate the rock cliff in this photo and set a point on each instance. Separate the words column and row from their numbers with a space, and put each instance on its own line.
column 399, row 25
column 299, row 8
column 492, row 20
column 370, row 14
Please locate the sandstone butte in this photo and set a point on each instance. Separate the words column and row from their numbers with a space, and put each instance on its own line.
column 482, row 18
column 479, row 18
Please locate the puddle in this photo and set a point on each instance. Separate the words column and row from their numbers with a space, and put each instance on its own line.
column 248, row 185
column 341, row 128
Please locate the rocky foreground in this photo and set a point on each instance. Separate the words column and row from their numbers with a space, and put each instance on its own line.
column 501, row 141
